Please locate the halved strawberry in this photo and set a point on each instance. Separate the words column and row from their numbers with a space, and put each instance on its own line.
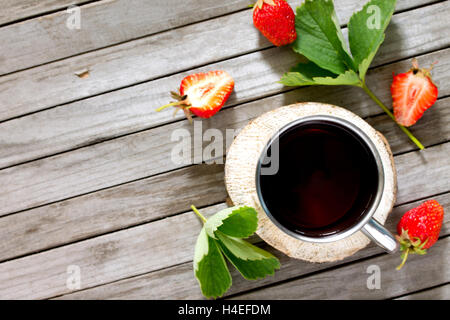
column 203, row 94
column 413, row 92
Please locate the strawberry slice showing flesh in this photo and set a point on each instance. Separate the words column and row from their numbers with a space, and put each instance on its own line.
column 202, row 94
column 413, row 92
column 206, row 93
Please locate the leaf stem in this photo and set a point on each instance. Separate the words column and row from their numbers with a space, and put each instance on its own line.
column 198, row 213
column 389, row 113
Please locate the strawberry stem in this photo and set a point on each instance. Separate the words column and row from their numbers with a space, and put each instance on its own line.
column 198, row 213
column 169, row 105
column 405, row 256
column 389, row 113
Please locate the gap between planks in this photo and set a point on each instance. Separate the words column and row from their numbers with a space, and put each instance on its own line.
column 101, row 160
column 147, row 19
column 168, row 241
column 121, row 207
column 145, row 60
column 84, row 122
column 187, row 288
column 350, row 281
column 142, row 18
column 111, row 116
column 18, row 11
column 439, row 292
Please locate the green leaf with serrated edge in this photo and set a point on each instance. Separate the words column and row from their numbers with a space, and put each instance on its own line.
column 294, row 79
column 320, row 37
column 366, row 31
column 298, row 79
column 239, row 221
column 349, row 78
column 252, row 262
column 210, row 267
column 311, row 70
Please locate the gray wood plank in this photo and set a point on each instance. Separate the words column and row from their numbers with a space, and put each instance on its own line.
column 103, row 24
column 433, row 123
column 110, row 210
column 142, row 248
column 350, row 282
column 439, row 293
column 166, row 53
column 132, row 109
column 416, row 164
column 13, row 10
column 177, row 282
column 153, row 198
column 146, row 153
column 22, row 9
column 149, row 247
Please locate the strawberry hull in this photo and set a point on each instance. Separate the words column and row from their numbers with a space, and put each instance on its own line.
column 423, row 222
column 202, row 94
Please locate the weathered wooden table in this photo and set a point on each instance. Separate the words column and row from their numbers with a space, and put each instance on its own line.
column 89, row 191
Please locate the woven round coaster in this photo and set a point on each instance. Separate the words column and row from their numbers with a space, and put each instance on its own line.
column 240, row 168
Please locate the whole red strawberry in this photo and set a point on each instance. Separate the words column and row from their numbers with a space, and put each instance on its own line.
column 276, row 21
column 202, row 94
column 419, row 229
column 413, row 92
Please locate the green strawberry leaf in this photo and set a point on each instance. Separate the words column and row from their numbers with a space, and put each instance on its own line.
column 320, row 37
column 321, row 41
column 305, row 74
column 310, row 69
column 239, row 222
column 366, row 31
column 210, row 267
column 221, row 235
column 252, row 262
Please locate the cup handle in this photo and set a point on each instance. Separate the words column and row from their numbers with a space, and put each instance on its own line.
column 380, row 235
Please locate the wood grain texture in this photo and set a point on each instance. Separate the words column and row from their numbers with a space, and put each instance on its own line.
column 166, row 53
column 103, row 23
column 177, row 282
column 103, row 259
column 110, row 210
column 155, row 245
column 13, row 10
column 124, row 220
column 417, row 163
column 350, row 282
column 21, row 9
column 439, row 293
column 132, row 109
column 138, row 202
column 165, row 194
column 433, row 123
column 147, row 153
